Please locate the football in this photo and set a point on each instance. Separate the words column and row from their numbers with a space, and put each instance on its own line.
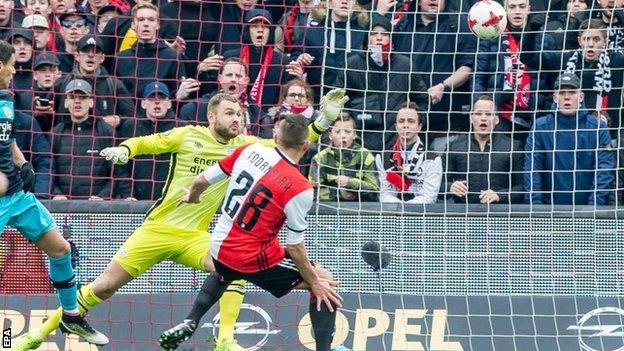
column 487, row 19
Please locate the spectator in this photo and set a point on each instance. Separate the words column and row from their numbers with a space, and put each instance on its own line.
column 484, row 166
column 41, row 31
column 37, row 6
column 231, row 17
column 150, row 172
column 9, row 18
column 111, row 99
column 408, row 172
column 150, row 58
column 36, row 149
column 80, row 172
column 569, row 160
column 326, row 47
column 345, row 170
column 601, row 71
column 377, row 81
column 295, row 24
column 564, row 29
column 611, row 14
column 296, row 96
column 22, row 41
column 268, row 68
column 232, row 80
column 193, row 21
column 58, row 7
column 442, row 48
column 499, row 71
column 105, row 14
column 46, row 73
column 73, row 28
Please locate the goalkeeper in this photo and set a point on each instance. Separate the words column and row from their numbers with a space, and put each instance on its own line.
column 177, row 233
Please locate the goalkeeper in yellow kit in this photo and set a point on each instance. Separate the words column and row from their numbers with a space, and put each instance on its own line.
column 177, row 233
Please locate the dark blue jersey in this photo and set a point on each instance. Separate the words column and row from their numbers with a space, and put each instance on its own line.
column 7, row 137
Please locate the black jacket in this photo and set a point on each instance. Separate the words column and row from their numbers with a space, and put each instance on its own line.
column 194, row 22
column 329, row 64
column 499, row 167
column 23, row 78
column 110, row 94
column 149, row 172
column 144, row 63
column 437, row 50
column 376, row 92
column 36, row 149
column 80, row 171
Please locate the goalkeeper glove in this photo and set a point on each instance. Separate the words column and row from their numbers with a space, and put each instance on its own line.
column 331, row 106
column 117, row 155
column 27, row 173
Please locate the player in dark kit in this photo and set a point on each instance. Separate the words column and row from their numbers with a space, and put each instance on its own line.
column 265, row 190
column 20, row 209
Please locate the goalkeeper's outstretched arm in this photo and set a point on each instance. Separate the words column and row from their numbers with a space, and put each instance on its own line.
column 155, row 144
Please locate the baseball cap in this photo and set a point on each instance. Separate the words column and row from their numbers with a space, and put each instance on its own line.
column 35, row 20
column 569, row 80
column 90, row 40
column 45, row 58
column 258, row 14
column 155, row 87
column 109, row 8
column 78, row 85
column 22, row 32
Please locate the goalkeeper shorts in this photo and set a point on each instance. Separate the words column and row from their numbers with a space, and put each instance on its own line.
column 26, row 214
column 154, row 242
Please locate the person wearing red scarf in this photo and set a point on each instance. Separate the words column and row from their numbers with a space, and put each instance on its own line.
column 500, row 69
column 407, row 172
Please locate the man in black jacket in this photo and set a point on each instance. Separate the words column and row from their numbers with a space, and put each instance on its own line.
column 378, row 81
column 483, row 166
column 80, row 172
column 150, row 172
column 23, row 43
column 150, row 58
column 443, row 49
column 112, row 99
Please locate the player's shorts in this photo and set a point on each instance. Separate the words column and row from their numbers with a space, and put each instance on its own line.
column 154, row 242
column 26, row 214
column 278, row 280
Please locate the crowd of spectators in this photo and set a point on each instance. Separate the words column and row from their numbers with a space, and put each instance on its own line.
column 435, row 114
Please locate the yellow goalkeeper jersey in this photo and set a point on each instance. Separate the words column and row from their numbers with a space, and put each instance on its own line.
column 193, row 149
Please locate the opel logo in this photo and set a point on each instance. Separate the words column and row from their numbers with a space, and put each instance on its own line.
column 261, row 326
column 597, row 325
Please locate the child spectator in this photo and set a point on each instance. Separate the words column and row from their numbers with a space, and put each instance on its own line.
column 345, row 170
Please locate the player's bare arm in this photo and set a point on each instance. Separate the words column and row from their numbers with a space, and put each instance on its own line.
column 323, row 288
column 199, row 186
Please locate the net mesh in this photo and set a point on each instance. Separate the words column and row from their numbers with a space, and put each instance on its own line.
column 519, row 274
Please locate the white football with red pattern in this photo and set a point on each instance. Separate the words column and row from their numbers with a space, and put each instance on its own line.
column 487, row 19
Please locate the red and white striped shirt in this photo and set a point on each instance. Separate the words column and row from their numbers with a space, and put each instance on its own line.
column 265, row 190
